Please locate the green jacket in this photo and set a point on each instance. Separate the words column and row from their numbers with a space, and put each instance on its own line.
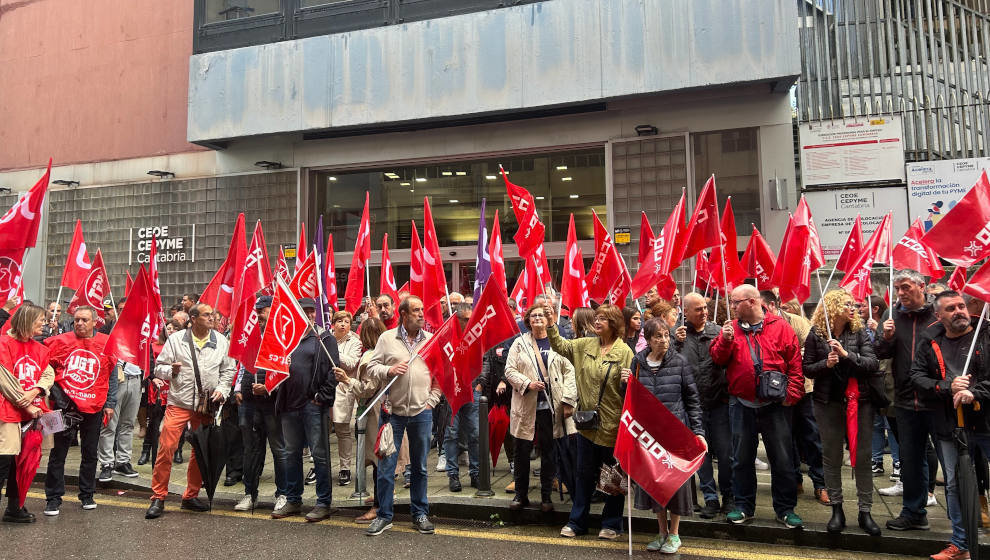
column 590, row 368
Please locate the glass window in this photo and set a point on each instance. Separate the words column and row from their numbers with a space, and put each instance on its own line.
column 313, row 3
column 732, row 156
column 225, row 10
column 561, row 183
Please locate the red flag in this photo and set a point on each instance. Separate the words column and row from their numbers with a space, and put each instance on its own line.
column 438, row 353
column 958, row 279
column 852, row 248
column 727, row 270
column 359, row 261
column 495, row 254
column 882, row 240
column 531, row 230
column 654, row 447
column 702, row 272
column 911, row 252
column 404, row 288
column 539, row 271
column 132, row 334
column 220, row 291
column 792, row 274
column 93, row 289
column 646, row 237
column 128, row 282
column 386, row 284
column 802, row 218
column 607, row 267
column 434, row 279
column 857, row 279
column 286, row 327
column 304, row 283
column 301, row 248
column 11, row 280
column 330, row 282
column 77, row 264
column 573, row 286
column 416, row 265
column 758, row 259
column 491, row 322
column 19, row 226
column 519, row 290
column 703, row 229
column 979, row 284
column 962, row 236
column 245, row 335
column 282, row 267
column 658, row 264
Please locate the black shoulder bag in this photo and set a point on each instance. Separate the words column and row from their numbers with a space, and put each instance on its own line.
column 588, row 419
column 771, row 386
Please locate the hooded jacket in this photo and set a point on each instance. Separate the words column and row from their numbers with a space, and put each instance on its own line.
column 215, row 368
column 861, row 364
column 779, row 349
column 713, row 388
column 310, row 375
column 673, row 384
column 909, row 329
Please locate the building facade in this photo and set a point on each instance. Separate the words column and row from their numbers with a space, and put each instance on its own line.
column 295, row 108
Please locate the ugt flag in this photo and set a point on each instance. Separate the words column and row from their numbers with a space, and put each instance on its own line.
column 653, row 446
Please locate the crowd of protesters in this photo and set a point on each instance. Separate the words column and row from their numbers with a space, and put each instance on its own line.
column 836, row 389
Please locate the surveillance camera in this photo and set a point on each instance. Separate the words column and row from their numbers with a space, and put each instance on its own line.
column 453, row 253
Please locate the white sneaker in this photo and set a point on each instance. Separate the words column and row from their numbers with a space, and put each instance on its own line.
column 280, row 502
column 607, row 535
column 760, row 465
column 896, row 490
column 246, row 504
column 442, row 463
column 932, row 502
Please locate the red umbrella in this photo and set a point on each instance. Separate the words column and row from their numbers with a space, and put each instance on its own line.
column 852, row 411
column 28, row 460
column 498, row 423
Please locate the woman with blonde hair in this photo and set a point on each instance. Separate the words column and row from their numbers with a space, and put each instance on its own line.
column 839, row 357
column 25, row 380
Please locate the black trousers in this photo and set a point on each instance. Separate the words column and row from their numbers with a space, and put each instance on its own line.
column 548, row 469
column 156, row 413
column 89, row 434
column 9, row 473
column 235, row 442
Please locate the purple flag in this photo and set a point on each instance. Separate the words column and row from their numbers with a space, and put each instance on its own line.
column 323, row 315
column 482, row 262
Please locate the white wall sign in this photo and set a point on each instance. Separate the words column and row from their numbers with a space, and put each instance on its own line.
column 852, row 151
column 934, row 187
column 172, row 246
column 835, row 212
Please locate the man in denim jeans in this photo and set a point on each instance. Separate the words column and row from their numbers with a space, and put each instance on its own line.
column 759, row 337
column 411, row 399
column 302, row 402
column 937, row 372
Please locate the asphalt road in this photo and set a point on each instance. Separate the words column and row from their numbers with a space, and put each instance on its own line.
column 117, row 529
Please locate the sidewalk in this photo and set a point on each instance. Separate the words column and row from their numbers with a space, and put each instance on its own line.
column 466, row 507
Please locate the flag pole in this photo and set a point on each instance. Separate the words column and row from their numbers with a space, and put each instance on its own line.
column 58, row 304
column 821, row 303
column 979, row 324
column 890, row 284
column 629, row 508
column 381, row 393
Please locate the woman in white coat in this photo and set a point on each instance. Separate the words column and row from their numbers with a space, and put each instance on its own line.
column 544, row 394
column 349, row 348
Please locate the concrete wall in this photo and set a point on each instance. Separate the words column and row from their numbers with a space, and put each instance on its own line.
column 553, row 53
column 92, row 81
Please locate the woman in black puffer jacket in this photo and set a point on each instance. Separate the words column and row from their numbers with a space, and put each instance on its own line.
column 841, row 366
column 670, row 378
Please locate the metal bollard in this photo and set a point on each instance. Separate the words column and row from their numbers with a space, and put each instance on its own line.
column 360, row 484
column 484, row 458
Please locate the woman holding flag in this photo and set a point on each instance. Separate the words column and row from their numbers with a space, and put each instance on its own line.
column 670, row 378
column 544, row 394
column 25, row 379
column 601, row 363
column 839, row 357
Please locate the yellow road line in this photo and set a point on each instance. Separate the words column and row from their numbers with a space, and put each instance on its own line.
column 506, row 537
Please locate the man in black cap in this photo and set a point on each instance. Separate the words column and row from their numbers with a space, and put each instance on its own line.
column 301, row 403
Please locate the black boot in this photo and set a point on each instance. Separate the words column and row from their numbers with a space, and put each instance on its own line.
column 178, row 455
column 838, row 521
column 867, row 524
column 145, row 454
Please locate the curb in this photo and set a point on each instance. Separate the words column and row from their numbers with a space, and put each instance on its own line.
column 914, row 543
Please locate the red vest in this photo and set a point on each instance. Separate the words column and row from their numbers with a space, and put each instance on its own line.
column 81, row 369
column 26, row 361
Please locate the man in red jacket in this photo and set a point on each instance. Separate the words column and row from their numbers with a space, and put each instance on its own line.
column 766, row 340
column 86, row 377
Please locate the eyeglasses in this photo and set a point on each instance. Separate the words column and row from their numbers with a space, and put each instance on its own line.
column 535, row 315
column 735, row 302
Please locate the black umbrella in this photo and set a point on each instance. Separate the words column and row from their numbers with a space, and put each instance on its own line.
column 441, row 419
column 967, row 488
column 210, row 446
column 565, row 455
